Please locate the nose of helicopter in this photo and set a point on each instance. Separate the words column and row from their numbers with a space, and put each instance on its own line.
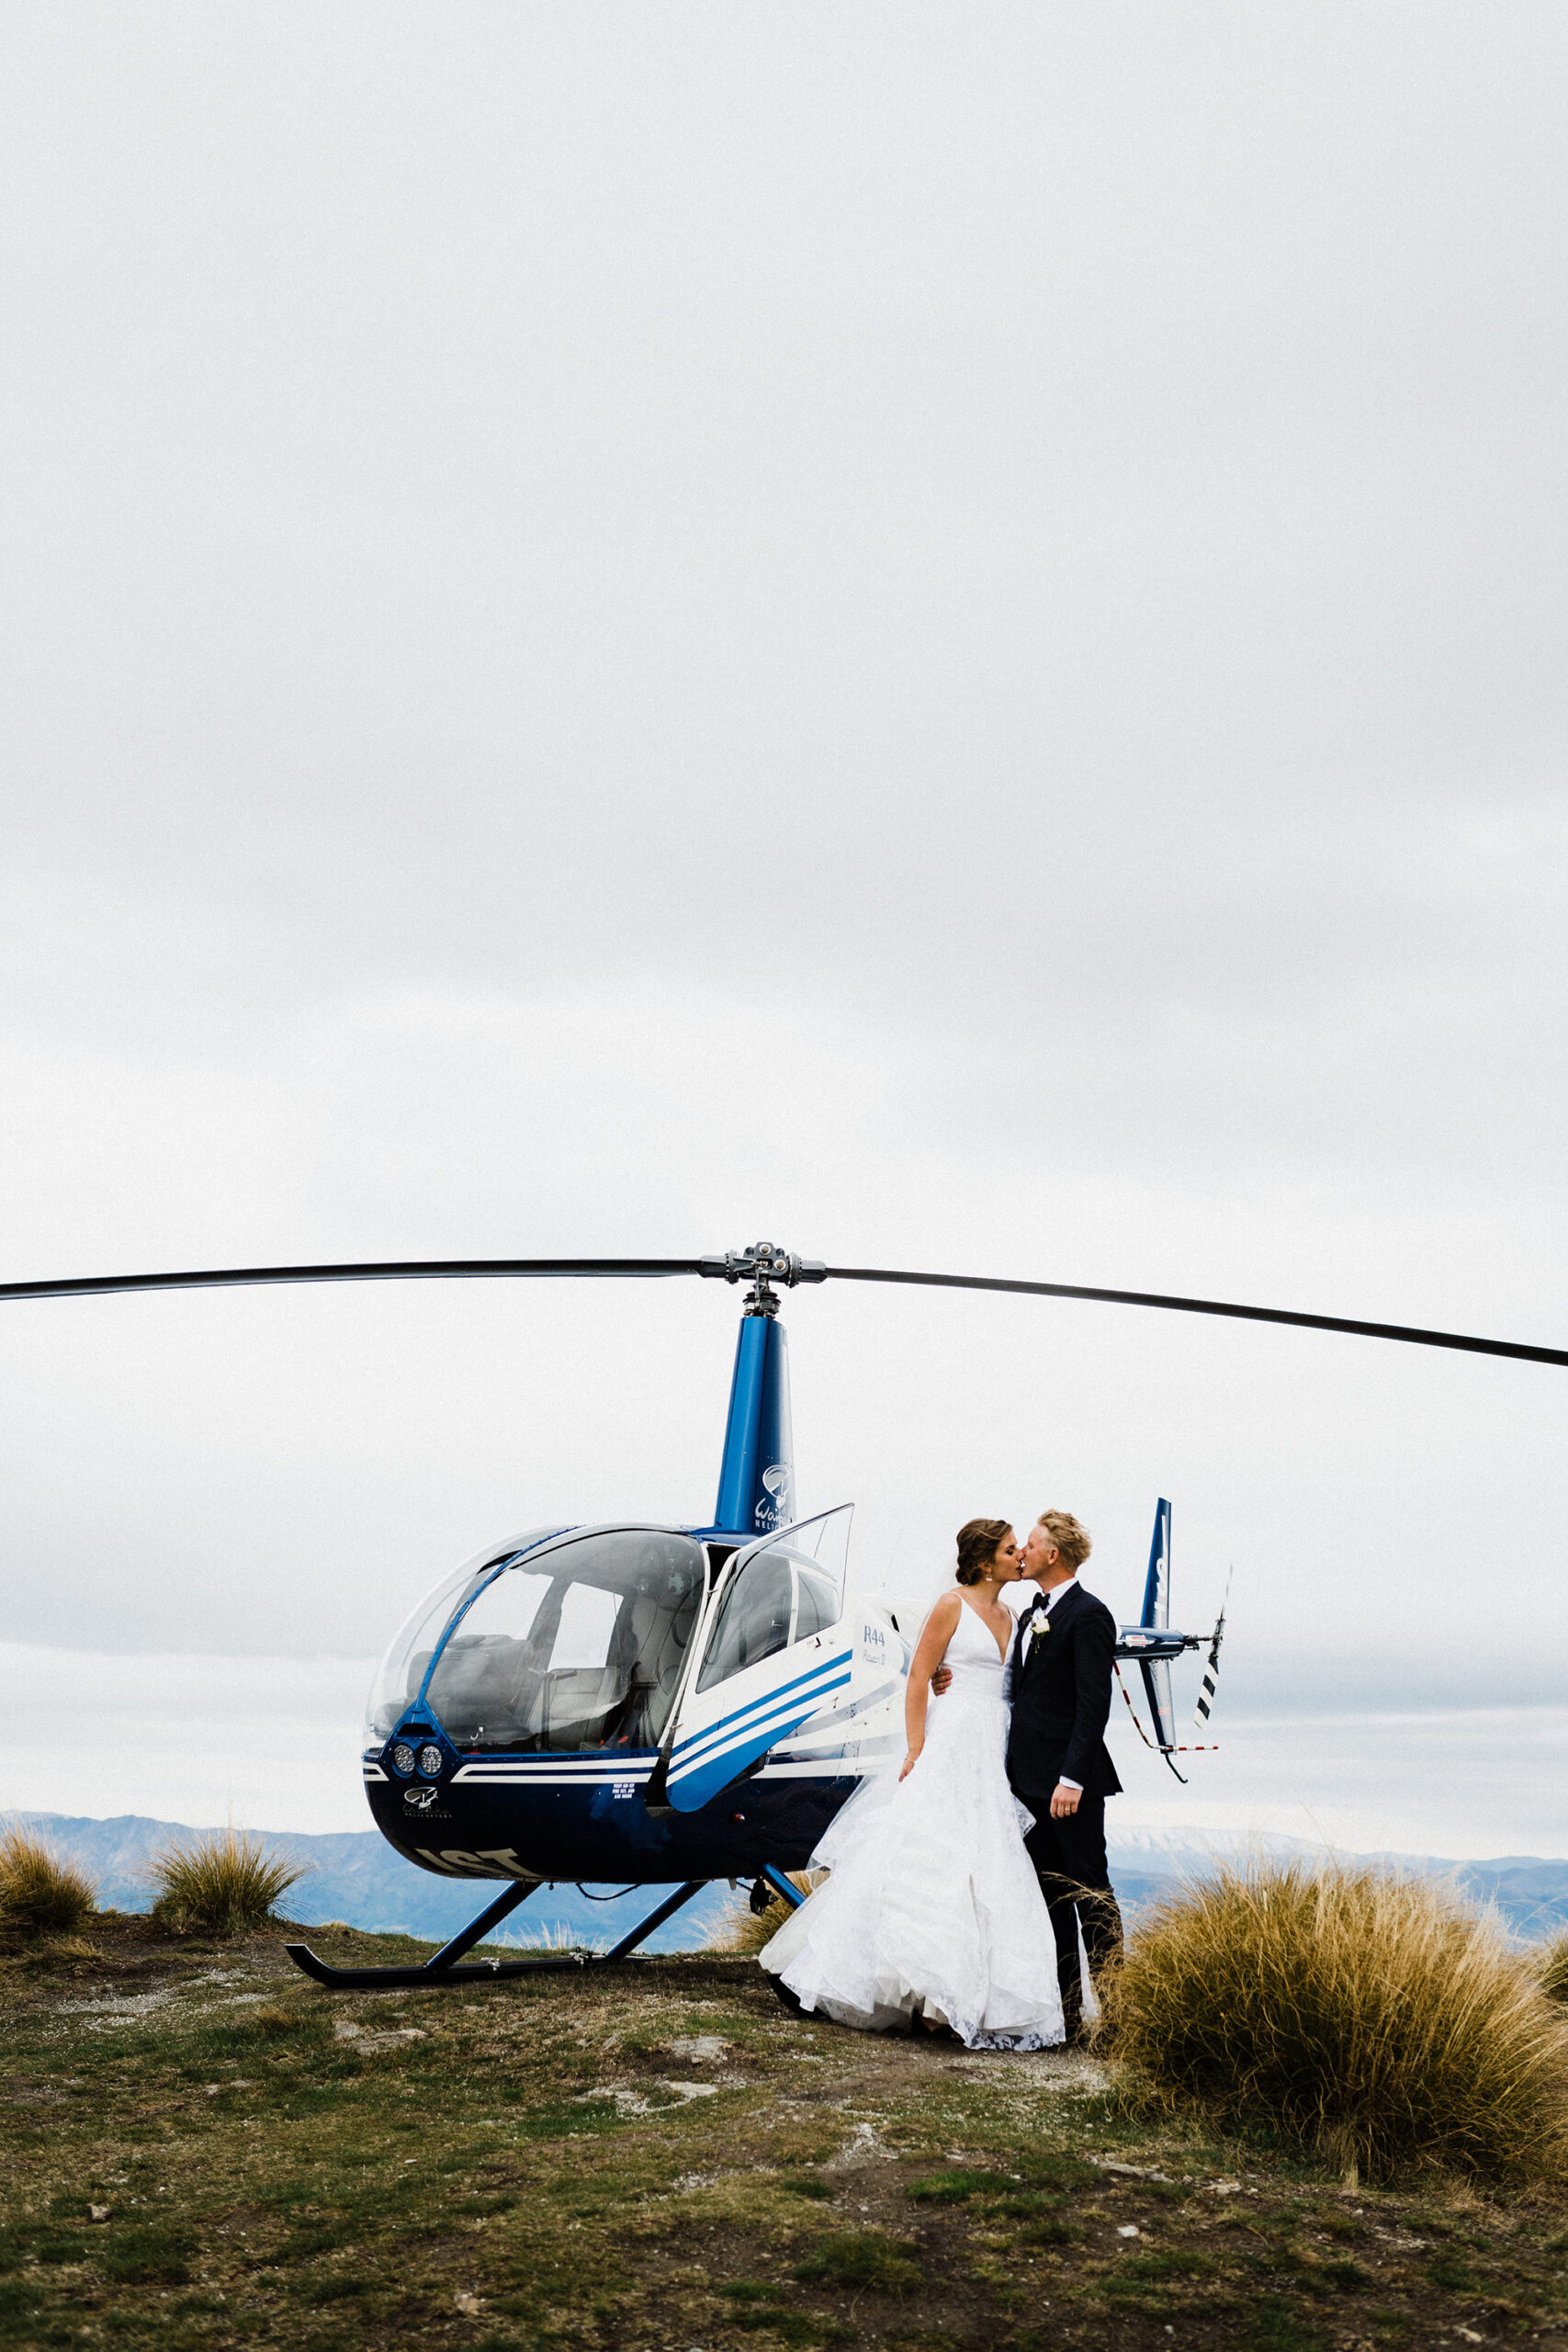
column 565, row 1642
column 520, row 1722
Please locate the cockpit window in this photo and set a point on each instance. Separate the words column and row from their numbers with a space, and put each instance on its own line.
column 578, row 1648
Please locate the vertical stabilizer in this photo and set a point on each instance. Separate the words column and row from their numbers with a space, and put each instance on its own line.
column 1156, row 1611
column 1157, row 1583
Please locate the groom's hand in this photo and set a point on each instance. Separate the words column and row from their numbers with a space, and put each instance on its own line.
column 941, row 1679
column 1064, row 1800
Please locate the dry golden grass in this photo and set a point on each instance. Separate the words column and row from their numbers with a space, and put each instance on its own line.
column 220, row 1885
column 1365, row 2019
column 744, row 1931
column 40, row 1894
column 1554, row 1969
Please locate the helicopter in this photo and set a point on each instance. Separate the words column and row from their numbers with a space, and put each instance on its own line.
column 649, row 1704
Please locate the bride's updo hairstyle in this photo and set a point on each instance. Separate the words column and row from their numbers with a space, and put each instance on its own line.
column 979, row 1541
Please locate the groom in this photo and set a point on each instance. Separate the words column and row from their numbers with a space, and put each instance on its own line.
column 1057, row 1759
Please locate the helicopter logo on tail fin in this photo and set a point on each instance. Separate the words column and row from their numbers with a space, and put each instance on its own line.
column 775, row 1512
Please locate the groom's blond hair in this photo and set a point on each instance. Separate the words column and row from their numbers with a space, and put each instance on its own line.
column 1070, row 1538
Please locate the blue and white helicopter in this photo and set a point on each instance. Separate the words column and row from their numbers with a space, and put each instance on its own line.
column 647, row 1704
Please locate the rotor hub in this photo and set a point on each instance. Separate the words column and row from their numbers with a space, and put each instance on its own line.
column 767, row 1270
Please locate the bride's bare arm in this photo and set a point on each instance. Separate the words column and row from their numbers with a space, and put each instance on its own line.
column 930, row 1651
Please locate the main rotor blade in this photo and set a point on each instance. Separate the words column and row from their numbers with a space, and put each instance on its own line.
column 1211, row 1306
column 655, row 1268
column 409, row 1270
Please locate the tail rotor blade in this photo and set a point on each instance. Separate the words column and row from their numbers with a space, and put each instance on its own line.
column 1212, row 1670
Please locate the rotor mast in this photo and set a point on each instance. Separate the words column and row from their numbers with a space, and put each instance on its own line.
column 756, row 1479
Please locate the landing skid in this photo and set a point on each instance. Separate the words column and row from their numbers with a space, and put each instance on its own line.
column 441, row 1967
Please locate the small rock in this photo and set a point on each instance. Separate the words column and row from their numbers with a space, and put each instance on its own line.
column 691, row 2090
column 466, row 2302
column 1470, row 2336
column 864, row 2148
column 700, row 2049
column 627, row 2101
column 98, row 2212
column 1128, row 2230
column 1222, row 2187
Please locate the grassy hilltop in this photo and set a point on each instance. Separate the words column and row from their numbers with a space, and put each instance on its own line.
column 205, row 2150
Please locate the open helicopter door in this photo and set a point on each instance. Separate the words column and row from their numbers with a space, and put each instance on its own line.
column 773, row 1646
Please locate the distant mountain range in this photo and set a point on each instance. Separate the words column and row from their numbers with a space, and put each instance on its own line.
column 354, row 1875
column 1529, row 1892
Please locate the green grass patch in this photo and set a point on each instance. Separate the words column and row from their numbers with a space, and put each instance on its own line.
column 866, row 2259
column 1054, row 2230
column 1342, row 2275
column 957, row 2186
column 1174, row 2262
column 337, row 2288
column 1277, row 2325
column 1061, row 2172
column 156, row 2253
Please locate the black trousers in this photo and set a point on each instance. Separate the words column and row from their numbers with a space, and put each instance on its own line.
column 1074, row 1879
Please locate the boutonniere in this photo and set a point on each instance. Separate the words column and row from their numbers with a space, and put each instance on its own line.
column 1040, row 1618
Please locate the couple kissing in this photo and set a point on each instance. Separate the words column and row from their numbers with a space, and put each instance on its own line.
column 959, row 1884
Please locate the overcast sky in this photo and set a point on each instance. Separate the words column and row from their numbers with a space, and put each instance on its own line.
column 934, row 633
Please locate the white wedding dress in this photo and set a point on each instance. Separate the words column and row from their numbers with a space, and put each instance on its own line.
column 932, row 1904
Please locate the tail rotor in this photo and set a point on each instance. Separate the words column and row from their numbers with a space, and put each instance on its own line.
column 1211, row 1670
column 1153, row 1644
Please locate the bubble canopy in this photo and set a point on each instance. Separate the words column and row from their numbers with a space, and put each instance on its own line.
column 562, row 1639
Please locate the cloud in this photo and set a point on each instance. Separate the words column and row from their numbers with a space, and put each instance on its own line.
column 937, row 638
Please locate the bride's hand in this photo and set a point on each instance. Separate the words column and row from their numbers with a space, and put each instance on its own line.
column 910, row 1761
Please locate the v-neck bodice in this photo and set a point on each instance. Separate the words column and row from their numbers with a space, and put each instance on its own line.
column 970, row 1611
column 977, row 1665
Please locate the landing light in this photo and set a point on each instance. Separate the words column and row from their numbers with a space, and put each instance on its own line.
column 402, row 1757
column 430, row 1761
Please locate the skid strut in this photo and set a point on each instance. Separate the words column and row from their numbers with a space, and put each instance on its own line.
column 441, row 1967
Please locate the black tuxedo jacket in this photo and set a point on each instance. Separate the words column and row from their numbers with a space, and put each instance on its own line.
column 1061, row 1702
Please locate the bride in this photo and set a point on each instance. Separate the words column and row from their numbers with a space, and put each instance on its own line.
column 932, row 1911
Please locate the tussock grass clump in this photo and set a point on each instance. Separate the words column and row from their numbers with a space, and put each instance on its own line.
column 1554, row 1969
column 743, row 1932
column 40, row 1894
column 1369, row 2021
column 220, row 1885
